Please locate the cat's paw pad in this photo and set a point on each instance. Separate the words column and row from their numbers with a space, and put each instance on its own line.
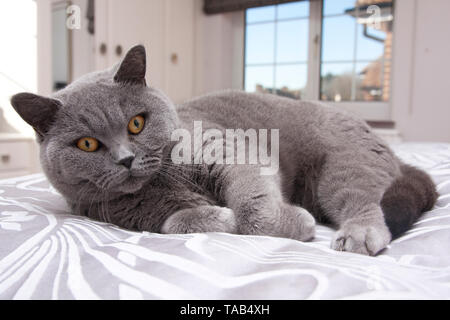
column 201, row 219
column 305, row 224
column 368, row 240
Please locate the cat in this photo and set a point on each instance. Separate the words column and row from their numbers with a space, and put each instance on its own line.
column 105, row 145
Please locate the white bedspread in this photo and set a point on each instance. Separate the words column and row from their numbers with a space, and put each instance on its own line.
column 46, row 253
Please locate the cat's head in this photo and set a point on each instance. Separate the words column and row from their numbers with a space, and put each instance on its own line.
column 103, row 134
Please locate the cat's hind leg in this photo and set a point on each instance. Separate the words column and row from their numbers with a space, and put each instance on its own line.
column 350, row 195
column 365, row 235
column 201, row 219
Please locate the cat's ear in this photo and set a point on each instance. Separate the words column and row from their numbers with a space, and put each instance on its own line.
column 133, row 66
column 39, row 112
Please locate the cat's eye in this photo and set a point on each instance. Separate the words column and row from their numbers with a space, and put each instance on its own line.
column 88, row 144
column 136, row 124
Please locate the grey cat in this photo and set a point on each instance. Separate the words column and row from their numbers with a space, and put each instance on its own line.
column 105, row 146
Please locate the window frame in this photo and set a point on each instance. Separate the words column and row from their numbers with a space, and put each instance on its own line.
column 274, row 64
column 368, row 110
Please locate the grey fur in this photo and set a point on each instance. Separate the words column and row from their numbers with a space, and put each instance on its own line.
column 330, row 163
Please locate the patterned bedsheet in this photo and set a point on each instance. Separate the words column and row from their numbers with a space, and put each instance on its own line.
column 46, row 253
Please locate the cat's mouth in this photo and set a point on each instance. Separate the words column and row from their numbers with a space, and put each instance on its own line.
column 129, row 181
column 131, row 184
column 125, row 182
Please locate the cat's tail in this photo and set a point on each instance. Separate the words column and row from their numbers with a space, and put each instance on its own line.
column 407, row 198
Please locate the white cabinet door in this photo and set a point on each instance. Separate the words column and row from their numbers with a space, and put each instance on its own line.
column 134, row 22
column 164, row 27
column 180, row 41
column 123, row 24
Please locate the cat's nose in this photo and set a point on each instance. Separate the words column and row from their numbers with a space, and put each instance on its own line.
column 127, row 161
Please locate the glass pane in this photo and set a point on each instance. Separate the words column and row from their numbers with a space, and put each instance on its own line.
column 331, row 7
column 368, row 83
column 259, row 46
column 60, row 49
column 367, row 52
column 259, row 79
column 374, row 31
column 291, row 80
column 293, row 10
column 338, row 38
column 373, row 81
column 336, row 81
column 260, row 14
column 370, row 43
column 292, row 41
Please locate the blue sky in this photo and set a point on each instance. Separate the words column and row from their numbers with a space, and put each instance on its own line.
column 291, row 49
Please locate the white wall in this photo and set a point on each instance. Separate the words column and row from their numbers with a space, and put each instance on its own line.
column 421, row 70
column 219, row 59
column 164, row 27
column 82, row 45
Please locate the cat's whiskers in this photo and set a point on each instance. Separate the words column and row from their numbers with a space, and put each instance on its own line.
column 105, row 216
column 152, row 161
column 93, row 200
column 84, row 190
column 178, row 178
column 116, row 179
column 103, row 179
column 183, row 169
column 111, row 179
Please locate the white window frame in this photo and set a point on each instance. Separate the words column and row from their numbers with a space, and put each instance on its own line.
column 371, row 111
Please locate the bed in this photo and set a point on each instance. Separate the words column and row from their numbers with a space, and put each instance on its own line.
column 46, row 253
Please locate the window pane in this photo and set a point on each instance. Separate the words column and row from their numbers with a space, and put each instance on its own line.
column 373, row 81
column 259, row 79
column 291, row 80
column 259, row 46
column 338, row 38
column 336, row 81
column 292, row 41
column 260, row 14
column 293, row 10
column 370, row 45
column 368, row 86
column 281, row 69
column 356, row 66
column 331, row 7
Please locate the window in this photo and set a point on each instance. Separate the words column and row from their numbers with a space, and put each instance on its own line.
column 276, row 55
column 18, row 60
column 330, row 50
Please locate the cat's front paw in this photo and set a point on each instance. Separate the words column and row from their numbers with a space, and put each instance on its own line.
column 201, row 219
column 285, row 221
column 368, row 240
column 304, row 224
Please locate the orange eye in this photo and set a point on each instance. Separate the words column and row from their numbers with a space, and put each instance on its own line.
column 136, row 124
column 88, row 144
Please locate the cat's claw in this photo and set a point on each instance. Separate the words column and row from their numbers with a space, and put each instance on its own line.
column 368, row 240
